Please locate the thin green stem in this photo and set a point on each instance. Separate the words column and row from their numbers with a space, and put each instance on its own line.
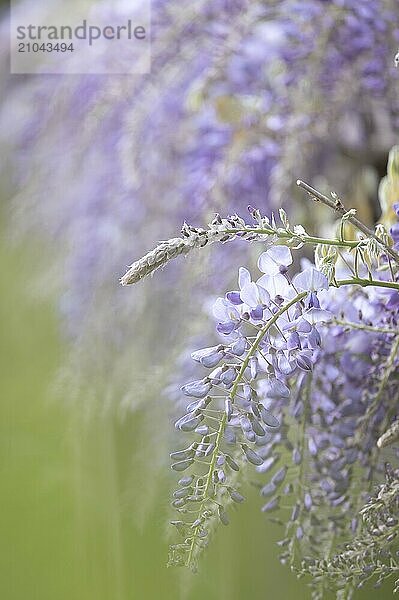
column 347, row 264
column 363, row 327
column 367, row 283
column 208, row 483
column 306, row 239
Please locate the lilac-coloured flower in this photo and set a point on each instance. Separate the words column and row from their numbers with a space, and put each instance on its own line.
column 209, row 357
column 277, row 286
column 311, row 280
column 275, row 260
column 304, row 362
column 274, row 388
column 244, row 278
column 254, row 296
column 197, row 389
column 303, row 324
column 285, row 365
column 238, row 347
column 227, row 315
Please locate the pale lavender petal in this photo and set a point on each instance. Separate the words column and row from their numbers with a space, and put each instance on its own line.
column 198, row 355
column 270, row 261
column 244, row 277
column 264, row 295
column 197, row 389
column 220, row 309
column 274, row 388
column 276, row 285
column 249, row 294
column 223, row 310
column 281, row 255
column 267, row 264
column 311, row 280
column 284, row 365
column 238, row 348
column 257, row 313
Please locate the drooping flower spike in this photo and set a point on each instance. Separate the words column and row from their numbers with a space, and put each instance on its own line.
column 232, row 416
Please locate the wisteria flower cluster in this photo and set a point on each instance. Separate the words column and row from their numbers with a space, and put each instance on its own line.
column 270, row 331
column 302, row 387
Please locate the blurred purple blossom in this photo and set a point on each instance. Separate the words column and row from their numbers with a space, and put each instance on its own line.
column 242, row 97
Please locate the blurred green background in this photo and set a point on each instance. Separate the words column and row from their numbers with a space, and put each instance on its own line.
column 71, row 528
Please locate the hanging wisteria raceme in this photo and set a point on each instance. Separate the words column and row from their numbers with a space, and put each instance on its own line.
column 303, row 385
column 269, row 330
column 334, row 426
column 371, row 556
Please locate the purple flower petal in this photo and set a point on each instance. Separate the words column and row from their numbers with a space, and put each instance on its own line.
column 223, row 310
column 249, row 294
column 257, row 313
column 225, row 328
column 318, row 315
column 274, row 388
column 234, row 297
column 276, row 285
